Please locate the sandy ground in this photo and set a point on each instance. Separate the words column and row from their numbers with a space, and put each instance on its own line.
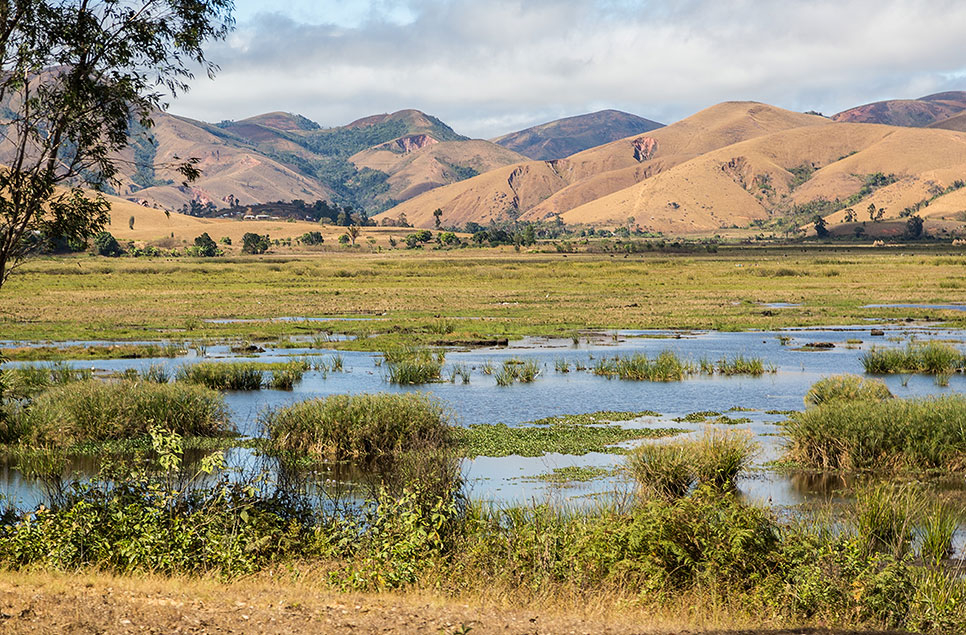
column 94, row 603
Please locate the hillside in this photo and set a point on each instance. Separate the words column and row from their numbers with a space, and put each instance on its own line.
column 369, row 164
column 562, row 138
column 538, row 189
column 915, row 113
column 956, row 122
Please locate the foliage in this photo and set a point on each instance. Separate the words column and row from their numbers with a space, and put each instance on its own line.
column 74, row 80
column 411, row 365
column 106, row 245
column 253, row 243
column 205, row 247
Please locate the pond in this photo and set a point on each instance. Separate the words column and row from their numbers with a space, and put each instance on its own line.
column 792, row 352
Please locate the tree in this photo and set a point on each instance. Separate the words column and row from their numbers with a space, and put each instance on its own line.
column 207, row 248
column 253, row 243
column 130, row 223
column 106, row 245
column 437, row 215
column 353, row 232
column 75, row 78
column 850, row 216
column 821, row 230
column 914, row 227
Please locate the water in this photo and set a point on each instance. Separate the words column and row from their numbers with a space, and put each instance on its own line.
column 512, row 479
column 938, row 307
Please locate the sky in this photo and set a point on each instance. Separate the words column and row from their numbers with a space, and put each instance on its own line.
column 494, row 66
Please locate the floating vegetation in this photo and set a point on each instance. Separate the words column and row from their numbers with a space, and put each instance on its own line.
column 594, row 418
column 572, row 474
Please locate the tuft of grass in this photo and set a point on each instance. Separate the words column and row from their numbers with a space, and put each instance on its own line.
column 884, row 518
column 244, row 375
column 561, row 366
column 639, row 367
column 410, row 365
column 936, row 531
column 93, row 410
column 847, row 388
column 888, row 435
column 24, row 382
column 517, row 370
column 931, row 358
column 672, row 469
column 361, row 427
column 462, row 371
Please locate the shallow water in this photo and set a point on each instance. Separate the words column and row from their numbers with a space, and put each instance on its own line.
column 510, row 479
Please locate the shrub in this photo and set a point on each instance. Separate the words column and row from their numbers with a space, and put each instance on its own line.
column 93, row 410
column 253, row 243
column 106, row 245
column 312, row 238
column 365, row 426
column 205, row 246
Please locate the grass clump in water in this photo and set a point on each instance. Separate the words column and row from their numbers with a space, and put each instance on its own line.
column 885, row 435
column 244, row 375
column 639, row 367
column 931, row 358
column 413, row 365
column 739, row 365
column 844, row 388
column 517, row 370
column 363, row 427
column 24, row 382
column 93, row 410
column 672, row 469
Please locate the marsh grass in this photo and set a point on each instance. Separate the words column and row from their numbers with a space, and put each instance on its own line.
column 115, row 351
column 24, row 382
column 931, row 358
column 883, row 436
column 561, row 366
column 244, row 375
column 517, row 370
column 739, row 365
column 94, row 410
column 360, row 427
column 639, row 367
column 461, row 371
column 412, row 365
column 671, row 469
column 885, row 518
column 936, row 531
column 847, row 388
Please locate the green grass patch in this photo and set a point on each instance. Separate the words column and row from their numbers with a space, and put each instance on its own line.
column 116, row 351
column 244, row 375
column 594, row 418
column 639, row 367
column 499, row 439
column 931, row 358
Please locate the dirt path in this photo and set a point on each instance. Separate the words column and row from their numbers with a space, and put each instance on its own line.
column 92, row 603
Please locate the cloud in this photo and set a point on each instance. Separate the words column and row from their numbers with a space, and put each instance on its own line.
column 491, row 67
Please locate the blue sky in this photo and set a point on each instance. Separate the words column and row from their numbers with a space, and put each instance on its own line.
column 491, row 67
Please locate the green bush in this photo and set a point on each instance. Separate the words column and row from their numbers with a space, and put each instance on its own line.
column 106, row 245
column 253, row 243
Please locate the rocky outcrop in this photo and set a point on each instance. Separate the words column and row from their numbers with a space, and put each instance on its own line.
column 644, row 148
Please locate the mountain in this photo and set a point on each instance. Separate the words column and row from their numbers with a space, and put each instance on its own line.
column 956, row 122
column 561, row 138
column 915, row 113
column 369, row 164
column 538, row 190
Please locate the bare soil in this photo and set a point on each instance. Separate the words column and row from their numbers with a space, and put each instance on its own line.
column 38, row 602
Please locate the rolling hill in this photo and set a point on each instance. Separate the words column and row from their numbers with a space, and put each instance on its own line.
column 537, row 190
column 916, row 113
column 564, row 137
column 369, row 164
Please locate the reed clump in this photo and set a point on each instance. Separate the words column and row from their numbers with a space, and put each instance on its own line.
column 363, row 427
column 411, row 365
column 639, row 367
column 738, row 365
column 930, row 358
column 94, row 410
column 847, row 388
column 28, row 380
column 517, row 370
column 672, row 469
column 244, row 375
column 881, row 435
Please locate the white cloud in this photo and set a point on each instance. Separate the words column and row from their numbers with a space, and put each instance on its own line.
column 490, row 67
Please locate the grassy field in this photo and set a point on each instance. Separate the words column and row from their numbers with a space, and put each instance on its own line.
column 462, row 295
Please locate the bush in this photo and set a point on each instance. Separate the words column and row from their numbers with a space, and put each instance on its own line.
column 94, row 410
column 205, row 247
column 106, row 245
column 365, row 426
column 312, row 238
column 253, row 243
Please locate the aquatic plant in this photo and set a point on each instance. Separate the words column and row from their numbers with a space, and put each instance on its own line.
column 932, row 358
column 410, row 365
column 639, row 367
column 846, row 387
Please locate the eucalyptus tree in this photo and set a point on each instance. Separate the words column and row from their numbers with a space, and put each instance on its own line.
column 76, row 76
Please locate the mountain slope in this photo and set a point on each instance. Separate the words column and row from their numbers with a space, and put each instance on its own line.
column 561, row 138
column 956, row 122
column 538, row 189
column 914, row 113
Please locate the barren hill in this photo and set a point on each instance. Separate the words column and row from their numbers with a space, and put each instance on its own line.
column 914, row 113
column 956, row 122
column 561, row 138
column 540, row 189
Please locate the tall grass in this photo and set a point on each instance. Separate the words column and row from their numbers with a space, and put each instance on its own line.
column 739, row 365
column 847, row 388
column 23, row 382
column 671, row 469
column 93, row 410
column 411, row 365
column 365, row 426
column 244, row 375
column 931, row 358
column 517, row 370
column 665, row 367
column 888, row 435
